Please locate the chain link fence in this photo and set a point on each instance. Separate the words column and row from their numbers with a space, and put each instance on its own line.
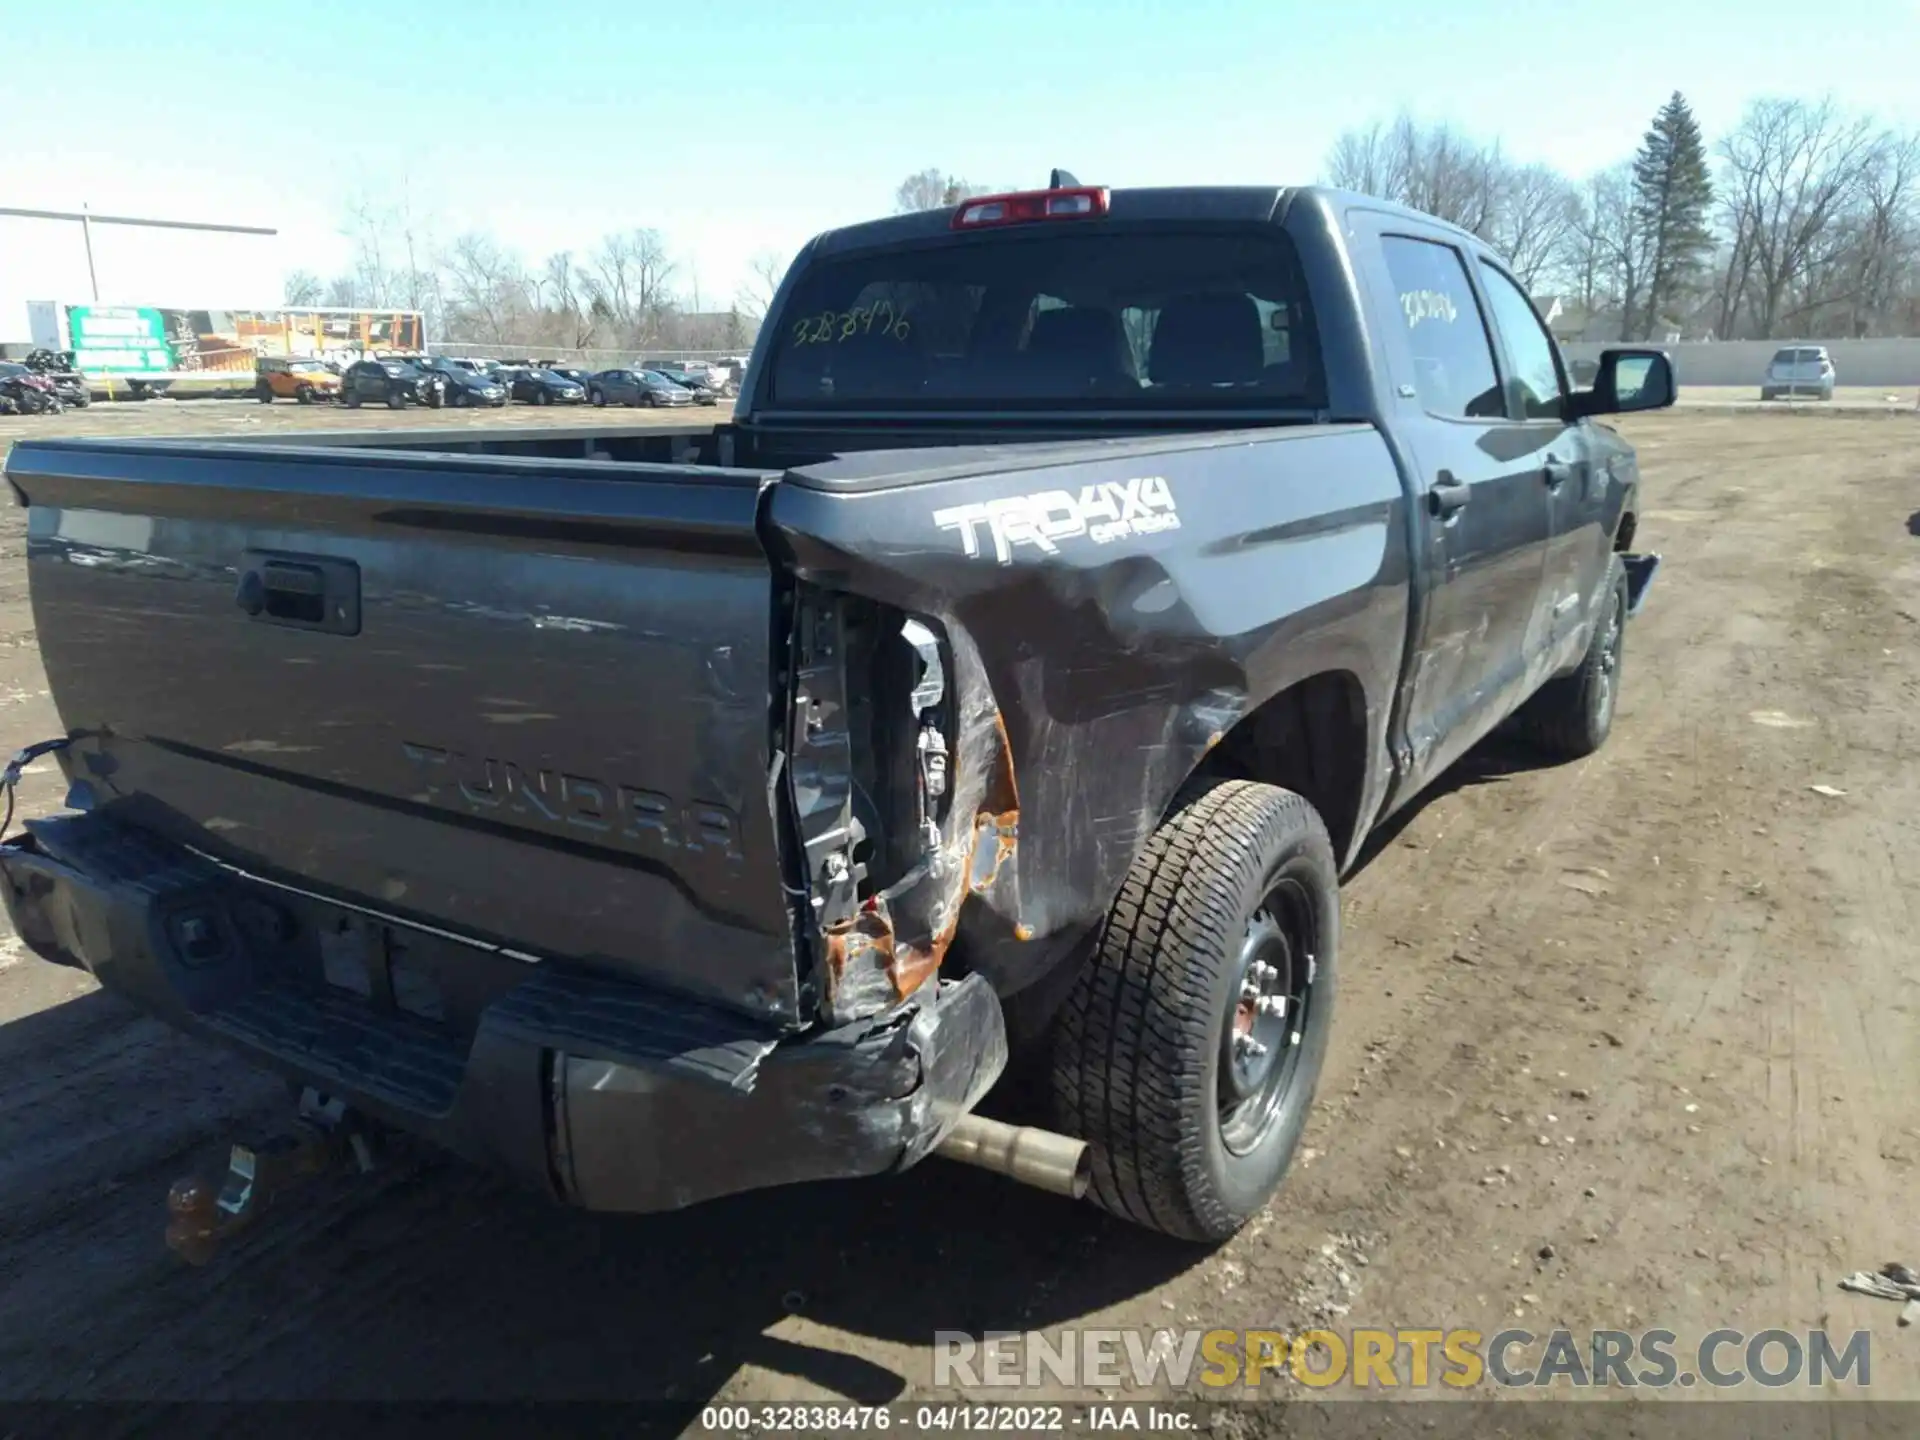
column 587, row 359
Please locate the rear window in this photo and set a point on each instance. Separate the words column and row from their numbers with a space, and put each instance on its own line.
column 1095, row 319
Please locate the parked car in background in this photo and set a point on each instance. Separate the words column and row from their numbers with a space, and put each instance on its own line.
column 636, row 387
column 574, row 373
column 294, row 377
column 1797, row 370
column 544, row 387
column 467, row 382
column 696, row 382
column 395, row 381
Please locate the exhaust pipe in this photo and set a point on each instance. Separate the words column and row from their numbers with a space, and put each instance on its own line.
column 1041, row 1158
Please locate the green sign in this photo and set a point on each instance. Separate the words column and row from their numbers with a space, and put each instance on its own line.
column 119, row 339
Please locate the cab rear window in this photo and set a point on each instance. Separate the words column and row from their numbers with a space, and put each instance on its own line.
column 1089, row 319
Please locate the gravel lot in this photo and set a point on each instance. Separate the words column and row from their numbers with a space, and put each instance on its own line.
column 1622, row 1043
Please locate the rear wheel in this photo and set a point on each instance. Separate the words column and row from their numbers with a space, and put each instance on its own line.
column 350, row 398
column 263, row 393
column 597, row 396
column 1188, row 1052
column 1572, row 716
column 396, row 398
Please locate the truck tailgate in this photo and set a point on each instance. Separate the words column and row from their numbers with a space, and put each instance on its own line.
column 522, row 700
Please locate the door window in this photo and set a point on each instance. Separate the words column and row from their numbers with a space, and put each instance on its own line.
column 1452, row 356
column 1533, row 366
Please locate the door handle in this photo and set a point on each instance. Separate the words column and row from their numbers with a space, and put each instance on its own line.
column 1448, row 494
column 1555, row 473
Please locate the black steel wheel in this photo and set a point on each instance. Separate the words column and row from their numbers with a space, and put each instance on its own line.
column 1188, row 1054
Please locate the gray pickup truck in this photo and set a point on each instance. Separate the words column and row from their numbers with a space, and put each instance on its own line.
column 659, row 813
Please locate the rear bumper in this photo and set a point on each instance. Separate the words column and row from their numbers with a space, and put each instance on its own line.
column 600, row 1092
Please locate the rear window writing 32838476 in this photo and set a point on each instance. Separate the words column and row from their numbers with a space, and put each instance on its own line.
column 1097, row 320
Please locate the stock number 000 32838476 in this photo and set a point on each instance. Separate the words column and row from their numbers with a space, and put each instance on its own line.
column 831, row 327
column 812, row 1419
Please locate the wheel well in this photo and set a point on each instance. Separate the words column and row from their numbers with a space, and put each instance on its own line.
column 1623, row 537
column 1311, row 739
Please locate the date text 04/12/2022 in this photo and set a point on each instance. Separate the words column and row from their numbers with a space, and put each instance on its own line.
column 950, row 1418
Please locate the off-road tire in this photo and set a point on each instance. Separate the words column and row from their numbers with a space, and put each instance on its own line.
column 1571, row 716
column 1137, row 1052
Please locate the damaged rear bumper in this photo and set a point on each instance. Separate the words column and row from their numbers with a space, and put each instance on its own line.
column 603, row 1093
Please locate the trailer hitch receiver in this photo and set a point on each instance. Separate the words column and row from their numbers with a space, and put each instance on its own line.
column 325, row 1138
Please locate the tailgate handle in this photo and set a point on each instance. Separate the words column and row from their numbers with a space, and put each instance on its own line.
column 307, row 592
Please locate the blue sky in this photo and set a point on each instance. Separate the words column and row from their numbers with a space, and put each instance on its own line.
column 741, row 126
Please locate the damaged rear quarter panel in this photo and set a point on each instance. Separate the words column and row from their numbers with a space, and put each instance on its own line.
column 1092, row 675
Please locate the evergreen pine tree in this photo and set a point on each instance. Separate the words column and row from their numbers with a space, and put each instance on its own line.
column 1672, row 192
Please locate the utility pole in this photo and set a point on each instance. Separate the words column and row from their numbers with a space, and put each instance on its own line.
column 86, row 232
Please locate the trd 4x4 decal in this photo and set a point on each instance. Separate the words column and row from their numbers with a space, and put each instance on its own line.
column 1105, row 512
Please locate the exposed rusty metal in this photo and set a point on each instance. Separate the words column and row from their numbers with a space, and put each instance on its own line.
column 858, row 946
column 992, row 834
column 202, row 1216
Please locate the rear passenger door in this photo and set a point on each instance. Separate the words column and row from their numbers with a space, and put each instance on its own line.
column 1484, row 511
column 1579, row 492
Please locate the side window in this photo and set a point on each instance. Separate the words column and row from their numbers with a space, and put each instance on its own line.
column 1533, row 367
column 1452, row 356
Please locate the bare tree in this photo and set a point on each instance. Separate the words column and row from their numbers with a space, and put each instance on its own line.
column 391, row 258
column 1447, row 174
column 764, row 274
column 1794, row 171
column 1604, row 251
column 487, row 287
column 630, row 275
column 1881, row 263
column 1536, row 213
column 933, row 190
column 565, row 295
column 303, row 287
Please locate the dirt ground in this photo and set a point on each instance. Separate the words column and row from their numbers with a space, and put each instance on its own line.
column 1621, row 1043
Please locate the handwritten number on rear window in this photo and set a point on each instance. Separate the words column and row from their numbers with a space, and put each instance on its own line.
column 838, row 326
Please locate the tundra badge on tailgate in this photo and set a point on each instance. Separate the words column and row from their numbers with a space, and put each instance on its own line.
column 1104, row 512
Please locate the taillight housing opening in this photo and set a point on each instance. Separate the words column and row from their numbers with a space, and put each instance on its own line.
column 1079, row 202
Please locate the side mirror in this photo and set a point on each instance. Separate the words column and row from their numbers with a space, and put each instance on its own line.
column 1628, row 380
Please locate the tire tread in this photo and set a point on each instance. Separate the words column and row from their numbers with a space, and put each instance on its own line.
column 1135, row 1037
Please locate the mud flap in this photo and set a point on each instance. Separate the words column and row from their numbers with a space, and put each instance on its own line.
column 1640, row 572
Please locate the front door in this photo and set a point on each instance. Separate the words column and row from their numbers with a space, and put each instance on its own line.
column 1581, row 543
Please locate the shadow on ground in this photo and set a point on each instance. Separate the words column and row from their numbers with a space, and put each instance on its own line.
column 432, row 1281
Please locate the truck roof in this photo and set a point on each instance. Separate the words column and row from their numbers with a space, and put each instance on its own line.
column 1254, row 203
